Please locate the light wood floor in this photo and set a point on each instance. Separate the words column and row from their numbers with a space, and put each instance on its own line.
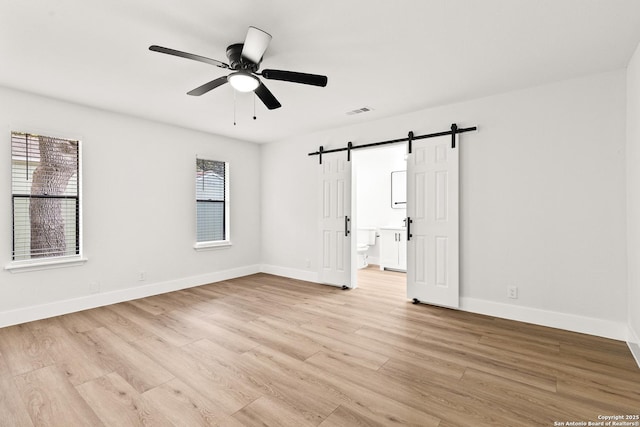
column 264, row 350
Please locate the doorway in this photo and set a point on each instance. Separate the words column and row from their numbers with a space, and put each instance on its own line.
column 432, row 218
column 379, row 256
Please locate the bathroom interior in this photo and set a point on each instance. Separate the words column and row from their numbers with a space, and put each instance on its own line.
column 380, row 202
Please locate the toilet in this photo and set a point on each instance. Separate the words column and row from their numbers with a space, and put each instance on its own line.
column 366, row 237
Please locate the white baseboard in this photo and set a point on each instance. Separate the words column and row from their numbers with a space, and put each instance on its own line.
column 292, row 273
column 634, row 344
column 570, row 322
column 43, row 311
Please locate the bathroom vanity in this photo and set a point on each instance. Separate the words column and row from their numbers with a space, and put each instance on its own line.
column 393, row 248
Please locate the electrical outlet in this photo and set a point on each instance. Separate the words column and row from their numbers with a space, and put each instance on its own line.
column 142, row 276
column 512, row 292
column 307, row 263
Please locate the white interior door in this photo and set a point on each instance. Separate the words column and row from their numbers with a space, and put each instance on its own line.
column 432, row 206
column 335, row 189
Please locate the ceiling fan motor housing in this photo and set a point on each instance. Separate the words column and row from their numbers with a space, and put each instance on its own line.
column 236, row 62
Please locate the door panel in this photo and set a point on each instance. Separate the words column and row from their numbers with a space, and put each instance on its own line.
column 432, row 205
column 417, row 271
column 335, row 176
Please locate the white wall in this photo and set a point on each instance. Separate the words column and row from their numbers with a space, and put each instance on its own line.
column 373, row 169
column 633, row 199
column 542, row 200
column 138, row 204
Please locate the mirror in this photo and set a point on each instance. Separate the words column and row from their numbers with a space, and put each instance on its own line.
column 399, row 189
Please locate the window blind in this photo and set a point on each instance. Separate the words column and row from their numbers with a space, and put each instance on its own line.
column 211, row 200
column 45, row 194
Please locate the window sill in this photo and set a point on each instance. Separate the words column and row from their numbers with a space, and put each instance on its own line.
column 205, row 246
column 31, row 265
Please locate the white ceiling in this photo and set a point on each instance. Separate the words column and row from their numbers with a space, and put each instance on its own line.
column 392, row 56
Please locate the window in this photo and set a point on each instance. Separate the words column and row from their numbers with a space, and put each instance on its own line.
column 212, row 203
column 45, row 192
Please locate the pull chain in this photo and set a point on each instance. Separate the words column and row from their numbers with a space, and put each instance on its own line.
column 254, row 105
column 234, row 107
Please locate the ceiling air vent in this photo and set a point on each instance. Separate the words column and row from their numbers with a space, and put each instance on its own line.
column 359, row 111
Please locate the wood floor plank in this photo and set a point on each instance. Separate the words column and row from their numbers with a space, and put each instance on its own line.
column 287, row 385
column 187, row 301
column 302, row 315
column 51, row 400
column 355, row 354
column 445, row 318
column 151, row 305
column 185, row 406
column 159, row 325
column 344, row 416
column 122, row 326
column 315, row 313
column 267, row 411
column 608, row 361
column 140, row 371
column 428, row 326
column 284, row 340
column 364, row 400
column 12, row 409
column 224, row 309
column 434, row 399
column 21, row 351
column 69, row 352
column 197, row 327
column 619, row 394
column 4, row 368
column 527, row 401
column 228, row 388
column 202, row 302
column 479, row 357
column 518, row 345
column 256, row 372
column 118, row 404
column 439, row 361
column 456, row 404
column 79, row 322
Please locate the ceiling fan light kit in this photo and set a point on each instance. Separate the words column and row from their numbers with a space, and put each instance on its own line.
column 244, row 60
column 243, row 81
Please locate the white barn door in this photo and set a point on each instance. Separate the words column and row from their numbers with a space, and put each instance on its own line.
column 335, row 224
column 432, row 207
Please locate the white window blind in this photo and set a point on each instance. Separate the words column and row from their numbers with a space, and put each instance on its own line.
column 45, row 196
column 211, row 201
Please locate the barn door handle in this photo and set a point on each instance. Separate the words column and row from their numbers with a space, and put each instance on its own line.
column 409, row 221
column 346, row 226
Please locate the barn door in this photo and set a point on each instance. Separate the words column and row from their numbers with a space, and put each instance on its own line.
column 335, row 189
column 432, row 210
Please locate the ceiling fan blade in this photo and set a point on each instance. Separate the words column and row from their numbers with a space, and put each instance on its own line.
column 295, row 77
column 267, row 97
column 181, row 54
column 208, row 86
column 255, row 44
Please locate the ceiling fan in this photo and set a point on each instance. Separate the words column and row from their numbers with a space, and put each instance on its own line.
column 244, row 60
